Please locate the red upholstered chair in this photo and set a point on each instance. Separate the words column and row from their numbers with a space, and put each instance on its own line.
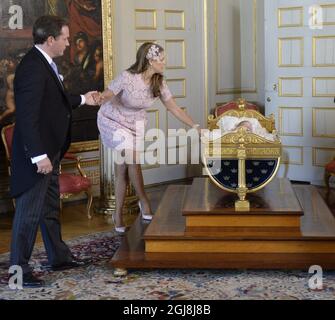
column 231, row 106
column 329, row 172
column 7, row 138
column 69, row 183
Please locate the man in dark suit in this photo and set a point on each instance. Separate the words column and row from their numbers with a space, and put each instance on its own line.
column 41, row 137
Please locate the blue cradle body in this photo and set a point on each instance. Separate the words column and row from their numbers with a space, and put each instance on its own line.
column 258, row 172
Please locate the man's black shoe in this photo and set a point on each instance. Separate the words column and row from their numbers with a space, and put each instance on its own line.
column 30, row 281
column 45, row 266
column 70, row 264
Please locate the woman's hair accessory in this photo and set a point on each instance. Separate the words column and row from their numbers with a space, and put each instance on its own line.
column 153, row 53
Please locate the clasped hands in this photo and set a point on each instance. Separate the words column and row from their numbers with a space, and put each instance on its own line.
column 95, row 98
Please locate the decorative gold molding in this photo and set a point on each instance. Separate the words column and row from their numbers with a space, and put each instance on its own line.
column 152, row 166
column 107, row 35
column 314, row 130
column 205, row 22
column 156, row 112
column 167, row 118
column 323, row 7
column 183, row 65
column 282, row 133
column 167, row 128
column 83, row 163
column 235, row 90
column 226, row 147
column 280, row 52
column 154, row 22
column 315, row 64
column 183, row 80
column 280, row 89
column 139, row 42
column 315, row 164
column 315, row 94
column 176, row 12
column 77, row 147
column 281, row 10
column 301, row 162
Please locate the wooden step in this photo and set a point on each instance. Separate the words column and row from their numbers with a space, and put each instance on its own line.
column 239, row 246
column 233, row 220
column 317, row 229
column 243, row 232
column 167, row 231
column 131, row 255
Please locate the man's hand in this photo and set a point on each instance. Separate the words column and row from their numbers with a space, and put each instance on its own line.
column 91, row 98
column 98, row 98
column 44, row 166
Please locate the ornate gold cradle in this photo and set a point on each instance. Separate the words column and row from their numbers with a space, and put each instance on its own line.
column 242, row 162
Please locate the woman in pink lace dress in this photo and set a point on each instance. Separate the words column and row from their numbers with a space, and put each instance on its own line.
column 122, row 120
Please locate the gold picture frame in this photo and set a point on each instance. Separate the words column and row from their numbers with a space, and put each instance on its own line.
column 107, row 34
column 91, row 28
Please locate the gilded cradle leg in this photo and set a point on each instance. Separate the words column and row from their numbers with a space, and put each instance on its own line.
column 242, row 204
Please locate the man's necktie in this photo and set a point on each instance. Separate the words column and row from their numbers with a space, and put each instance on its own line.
column 55, row 69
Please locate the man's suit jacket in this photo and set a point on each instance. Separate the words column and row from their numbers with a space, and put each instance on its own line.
column 43, row 119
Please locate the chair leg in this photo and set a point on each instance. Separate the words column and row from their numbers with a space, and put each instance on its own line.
column 89, row 203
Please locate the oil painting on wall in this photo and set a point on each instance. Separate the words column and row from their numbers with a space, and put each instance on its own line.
column 81, row 66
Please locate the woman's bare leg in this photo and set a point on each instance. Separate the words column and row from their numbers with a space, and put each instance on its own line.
column 121, row 180
column 136, row 178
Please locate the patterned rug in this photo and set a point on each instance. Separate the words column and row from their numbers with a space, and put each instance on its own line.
column 97, row 282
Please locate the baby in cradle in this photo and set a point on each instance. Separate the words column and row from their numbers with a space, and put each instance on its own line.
column 230, row 124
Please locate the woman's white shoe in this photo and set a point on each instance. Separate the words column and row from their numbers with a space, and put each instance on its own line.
column 118, row 229
column 145, row 216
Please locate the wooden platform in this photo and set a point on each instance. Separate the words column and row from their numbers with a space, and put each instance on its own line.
column 167, row 243
column 208, row 206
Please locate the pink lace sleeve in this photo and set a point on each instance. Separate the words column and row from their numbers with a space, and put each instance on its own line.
column 117, row 84
column 166, row 93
